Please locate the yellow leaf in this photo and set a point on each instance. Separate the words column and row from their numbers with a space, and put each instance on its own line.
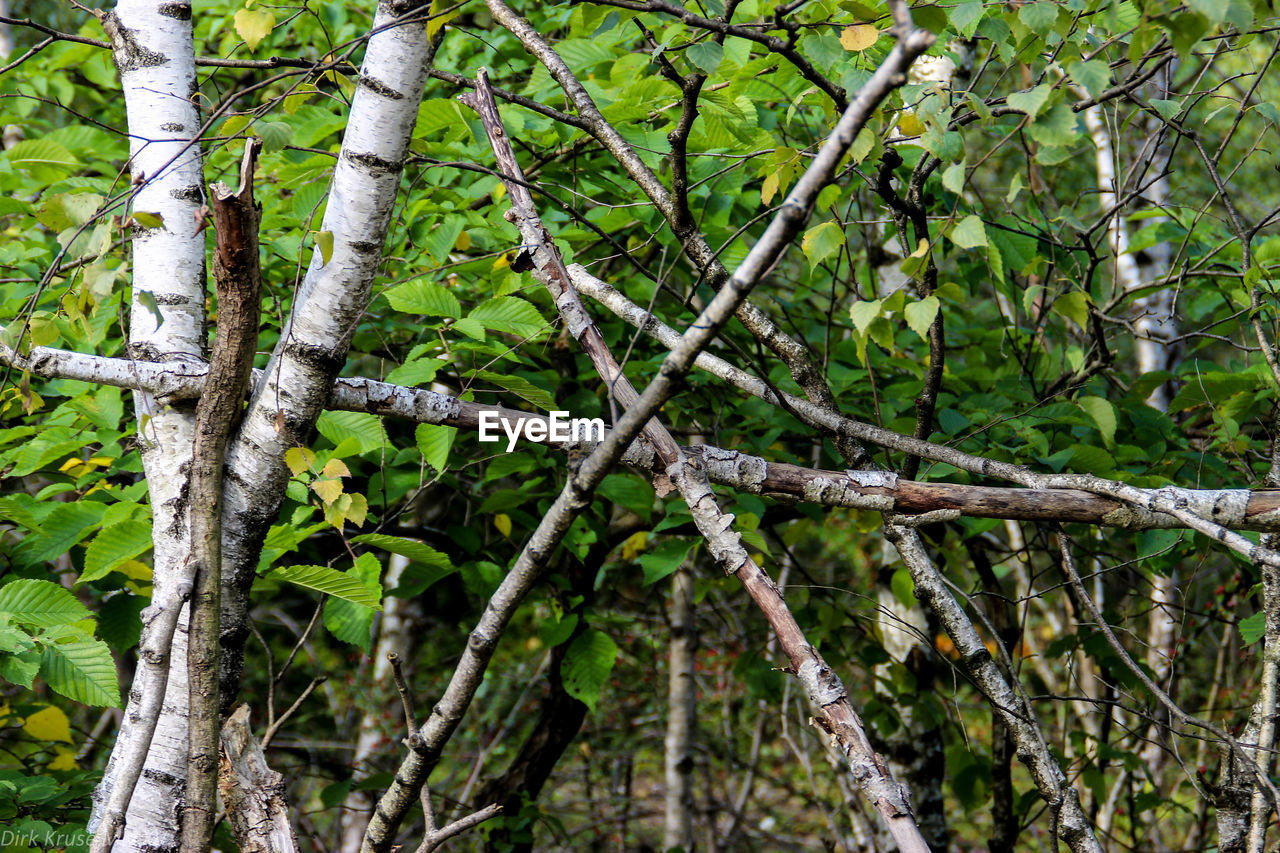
column 910, row 125
column 502, row 263
column 72, row 466
column 135, row 570
column 634, row 546
column 770, row 187
column 254, row 25
column 464, row 242
column 357, row 510
column 439, row 17
column 859, row 37
column 49, row 724
column 502, row 521
column 324, row 240
column 297, row 99
column 299, row 459
column 66, row 759
column 335, row 468
column 148, row 220
column 328, row 490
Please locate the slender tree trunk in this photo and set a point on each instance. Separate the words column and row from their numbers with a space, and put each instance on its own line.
column 681, row 714
column 153, row 50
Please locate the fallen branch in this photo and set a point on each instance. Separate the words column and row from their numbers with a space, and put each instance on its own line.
column 1238, row 509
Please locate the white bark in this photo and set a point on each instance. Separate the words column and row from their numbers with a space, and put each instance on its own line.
column 329, row 304
column 681, row 693
column 153, row 50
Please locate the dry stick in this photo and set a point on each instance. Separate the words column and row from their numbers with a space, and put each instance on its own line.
column 533, row 558
column 238, row 280
column 835, row 713
column 252, row 791
column 1239, row 509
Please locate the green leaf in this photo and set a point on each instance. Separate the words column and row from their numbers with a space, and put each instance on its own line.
column 411, row 548
column 1252, row 628
column 1056, row 127
column 1093, row 75
column 20, row 668
column 966, row 16
column 434, row 442
column 661, row 561
column 1103, row 414
column 509, row 314
column 329, row 581
column 953, row 178
column 706, row 55
column 40, row 604
column 148, row 220
column 862, row 313
column 821, row 242
column 1030, row 102
column 30, row 154
column 275, row 135
column 969, row 233
column 68, row 210
column 82, row 670
column 904, row 588
column 1039, row 17
column 113, row 547
column 587, row 664
column 365, row 429
column 920, row 315
column 418, row 371
column 423, row 297
column 349, row 621
column 521, row 387
column 471, row 328
column 1074, row 305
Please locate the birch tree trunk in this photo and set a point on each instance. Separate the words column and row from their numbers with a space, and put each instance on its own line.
column 152, row 46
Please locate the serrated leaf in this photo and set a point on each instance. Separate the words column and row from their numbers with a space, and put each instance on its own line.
column 1030, row 102
column 521, row 387
column 953, row 178
column 859, row 37
column 509, row 314
column 275, row 135
column 335, row 468
column 82, row 670
column 327, row 490
column 113, row 547
column 1039, row 17
column 20, row 668
column 706, row 55
column 329, row 581
column 253, row 25
column 821, row 242
column 587, row 664
column 434, row 442
column 414, row 550
column 40, row 604
column 1074, row 305
column 324, row 242
column 299, row 459
column 969, row 233
column 1252, row 628
column 349, row 621
column 473, row 329
column 1103, row 414
column 863, row 312
column 920, row 315
column 1093, row 75
column 364, row 429
column 661, row 561
column 423, row 297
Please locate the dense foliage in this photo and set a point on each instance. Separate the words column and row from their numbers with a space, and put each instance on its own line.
column 969, row 211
